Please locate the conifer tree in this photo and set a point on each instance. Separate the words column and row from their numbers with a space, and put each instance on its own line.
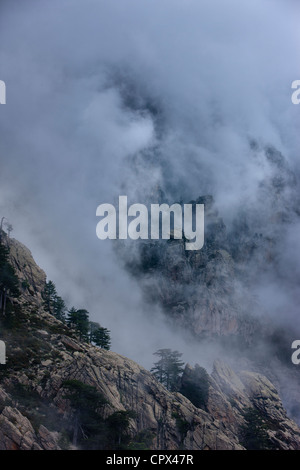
column 168, row 368
column 49, row 293
column 52, row 302
column 87, row 404
column 79, row 320
column 101, row 337
column 59, row 308
column 9, row 282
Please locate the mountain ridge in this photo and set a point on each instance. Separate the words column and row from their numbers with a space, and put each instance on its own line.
column 44, row 354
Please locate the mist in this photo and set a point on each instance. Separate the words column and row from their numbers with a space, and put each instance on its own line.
column 108, row 98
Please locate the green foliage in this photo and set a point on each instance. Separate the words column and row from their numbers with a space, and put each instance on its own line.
column 9, row 282
column 169, row 368
column 118, row 424
column 90, row 429
column 36, row 408
column 100, row 337
column 195, row 387
column 48, row 295
column 52, row 302
column 83, row 396
column 182, row 425
column 4, row 252
column 253, row 435
column 142, row 441
column 59, row 308
column 14, row 318
column 79, row 320
column 87, row 404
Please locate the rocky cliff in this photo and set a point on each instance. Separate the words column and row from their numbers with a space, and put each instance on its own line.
column 215, row 291
column 43, row 353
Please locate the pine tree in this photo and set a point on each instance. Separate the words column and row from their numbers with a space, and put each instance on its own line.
column 52, row 302
column 253, row 434
column 59, row 308
column 87, row 404
column 101, row 337
column 79, row 320
column 93, row 326
column 49, row 294
column 9, row 282
column 169, row 368
column 118, row 424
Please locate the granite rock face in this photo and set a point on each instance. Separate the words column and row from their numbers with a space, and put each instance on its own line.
column 43, row 353
column 32, row 277
column 213, row 291
column 128, row 386
column 17, row 433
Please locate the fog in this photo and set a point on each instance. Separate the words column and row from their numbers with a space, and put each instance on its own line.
column 108, row 98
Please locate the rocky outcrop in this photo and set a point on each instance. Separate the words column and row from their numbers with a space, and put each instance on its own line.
column 200, row 290
column 43, row 353
column 17, row 433
column 32, row 277
column 127, row 386
column 213, row 291
column 174, row 421
column 236, row 392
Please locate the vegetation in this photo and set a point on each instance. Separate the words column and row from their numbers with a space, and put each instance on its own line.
column 99, row 336
column 253, row 434
column 37, row 409
column 9, row 283
column 182, row 425
column 90, row 430
column 142, row 441
column 87, row 404
column 78, row 319
column 117, row 425
column 195, row 387
column 89, row 426
column 168, row 368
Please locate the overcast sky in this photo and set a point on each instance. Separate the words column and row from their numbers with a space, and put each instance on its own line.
column 111, row 97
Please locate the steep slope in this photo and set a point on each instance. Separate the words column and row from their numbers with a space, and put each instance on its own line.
column 214, row 291
column 43, row 353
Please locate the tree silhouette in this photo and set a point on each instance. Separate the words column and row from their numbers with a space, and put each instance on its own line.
column 169, row 368
column 101, row 337
column 87, row 404
column 49, row 293
column 52, row 302
column 9, row 282
column 118, row 424
column 79, row 320
column 253, row 434
column 59, row 308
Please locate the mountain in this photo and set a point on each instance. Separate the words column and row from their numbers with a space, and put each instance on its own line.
column 215, row 291
column 240, row 291
column 57, row 392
